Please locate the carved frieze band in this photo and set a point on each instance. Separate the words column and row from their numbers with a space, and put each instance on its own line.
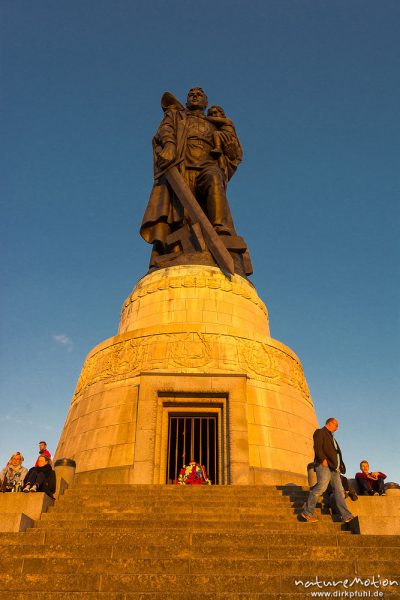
column 200, row 280
column 200, row 352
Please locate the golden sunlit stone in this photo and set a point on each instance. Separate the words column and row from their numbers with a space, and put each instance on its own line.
column 191, row 339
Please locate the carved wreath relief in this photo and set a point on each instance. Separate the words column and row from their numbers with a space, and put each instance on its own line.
column 193, row 351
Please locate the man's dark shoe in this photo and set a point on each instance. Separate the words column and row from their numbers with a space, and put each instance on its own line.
column 353, row 496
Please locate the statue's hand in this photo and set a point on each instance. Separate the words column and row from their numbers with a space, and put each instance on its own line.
column 167, row 155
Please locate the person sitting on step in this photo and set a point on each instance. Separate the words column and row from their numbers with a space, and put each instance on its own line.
column 13, row 475
column 41, row 478
column 370, row 484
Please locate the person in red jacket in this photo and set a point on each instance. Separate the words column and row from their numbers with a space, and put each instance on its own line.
column 43, row 451
column 370, row 484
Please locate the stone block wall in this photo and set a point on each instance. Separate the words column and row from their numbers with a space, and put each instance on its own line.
column 171, row 342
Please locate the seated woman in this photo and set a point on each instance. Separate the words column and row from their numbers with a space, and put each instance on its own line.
column 13, row 475
column 41, row 478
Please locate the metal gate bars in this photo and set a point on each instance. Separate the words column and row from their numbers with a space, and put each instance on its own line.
column 192, row 438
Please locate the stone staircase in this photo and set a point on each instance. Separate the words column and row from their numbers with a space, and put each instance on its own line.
column 122, row 542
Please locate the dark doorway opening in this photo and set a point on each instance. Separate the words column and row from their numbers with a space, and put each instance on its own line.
column 192, row 437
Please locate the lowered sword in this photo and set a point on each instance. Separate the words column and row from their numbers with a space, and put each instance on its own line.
column 197, row 215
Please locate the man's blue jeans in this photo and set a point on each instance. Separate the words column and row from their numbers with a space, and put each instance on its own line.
column 325, row 477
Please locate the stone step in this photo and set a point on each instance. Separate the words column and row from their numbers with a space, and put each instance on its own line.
column 211, row 502
column 165, row 550
column 273, row 524
column 179, row 508
column 198, row 489
column 175, row 498
column 303, row 536
column 14, row 595
column 160, row 487
column 149, row 584
column 180, row 499
column 171, row 596
column 285, row 513
column 193, row 500
column 156, row 595
column 177, row 501
column 176, row 566
column 135, row 515
column 306, row 535
column 181, row 490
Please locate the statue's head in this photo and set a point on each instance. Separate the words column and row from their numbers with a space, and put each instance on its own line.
column 196, row 98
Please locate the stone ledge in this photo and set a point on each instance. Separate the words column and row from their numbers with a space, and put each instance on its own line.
column 375, row 506
column 106, row 476
column 32, row 505
column 260, row 476
column 377, row 515
column 14, row 522
column 372, row 525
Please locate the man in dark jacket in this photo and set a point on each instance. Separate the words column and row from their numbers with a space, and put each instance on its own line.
column 329, row 466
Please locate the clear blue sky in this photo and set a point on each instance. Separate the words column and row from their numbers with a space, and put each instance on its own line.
column 313, row 87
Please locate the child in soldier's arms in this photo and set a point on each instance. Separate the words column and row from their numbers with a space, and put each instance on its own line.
column 216, row 115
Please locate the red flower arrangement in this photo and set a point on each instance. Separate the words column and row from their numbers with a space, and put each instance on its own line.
column 193, row 474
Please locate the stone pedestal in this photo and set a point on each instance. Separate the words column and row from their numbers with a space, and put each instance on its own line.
column 191, row 339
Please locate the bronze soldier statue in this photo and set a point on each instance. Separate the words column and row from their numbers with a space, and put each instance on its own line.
column 194, row 155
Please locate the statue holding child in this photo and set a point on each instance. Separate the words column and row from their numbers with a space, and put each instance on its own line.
column 194, row 155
